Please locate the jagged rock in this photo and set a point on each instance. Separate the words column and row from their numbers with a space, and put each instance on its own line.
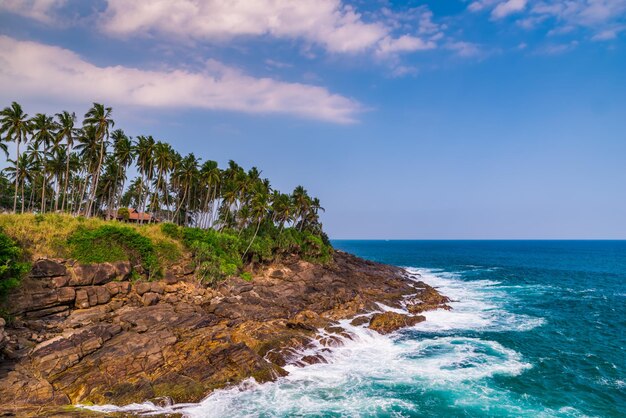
column 47, row 268
column 387, row 322
column 427, row 299
column 150, row 298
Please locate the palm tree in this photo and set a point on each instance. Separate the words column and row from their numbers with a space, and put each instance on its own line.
column 123, row 156
column 14, row 123
column 211, row 177
column 282, row 209
column 56, row 164
column 187, row 177
column 144, row 149
column 99, row 117
column 301, row 202
column 163, row 159
column 19, row 171
column 259, row 207
column 43, row 127
column 88, row 150
column 66, row 131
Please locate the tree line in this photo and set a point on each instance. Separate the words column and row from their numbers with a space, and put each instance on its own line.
column 61, row 165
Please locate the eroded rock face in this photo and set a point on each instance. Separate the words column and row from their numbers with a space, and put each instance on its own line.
column 89, row 335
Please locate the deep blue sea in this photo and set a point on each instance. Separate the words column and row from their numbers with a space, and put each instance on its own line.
column 538, row 329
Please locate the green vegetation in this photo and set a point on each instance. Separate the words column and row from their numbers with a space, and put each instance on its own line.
column 114, row 243
column 71, row 189
column 11, row 267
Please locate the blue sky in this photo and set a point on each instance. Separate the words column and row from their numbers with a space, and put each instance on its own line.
column 415, row 119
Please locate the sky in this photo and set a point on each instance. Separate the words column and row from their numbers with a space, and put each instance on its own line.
column 455, row 119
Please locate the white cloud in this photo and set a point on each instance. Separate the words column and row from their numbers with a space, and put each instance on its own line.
column 403, row 44
column 40, row 10
column 30, row 69
column 464, row 49
column 330, row 24
column 608, row 34
column 507, row 8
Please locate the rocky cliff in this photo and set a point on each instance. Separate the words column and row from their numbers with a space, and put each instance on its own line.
column 85, row 333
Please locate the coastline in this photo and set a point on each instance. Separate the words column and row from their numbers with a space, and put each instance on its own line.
column 175, row 341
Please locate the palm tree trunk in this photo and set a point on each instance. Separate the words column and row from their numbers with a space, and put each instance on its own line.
column 16, row 177
column 181, row 203
column 96, row 178
column 43, row 193
column 22, row 195
column 56, row 194
column 67, row 176
column 258, row 225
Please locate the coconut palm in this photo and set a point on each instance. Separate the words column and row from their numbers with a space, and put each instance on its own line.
column 98, row 116
column 163, row 157
column 14, row 124
column 186, row 175
column 144, row 149
column 87, row 147
column 44, row 133
column 123, row 156
column 19, row 171
column 67, row 131
column 259, row 207
column 210, row 175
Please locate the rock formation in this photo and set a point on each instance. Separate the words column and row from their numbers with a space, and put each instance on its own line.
column 85, row 333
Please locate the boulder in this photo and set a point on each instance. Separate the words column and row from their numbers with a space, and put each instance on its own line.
column 150, row 299
column 142, row 288
column 157, row 287
column 387, row 322
column 96, row 274
column 47, row 268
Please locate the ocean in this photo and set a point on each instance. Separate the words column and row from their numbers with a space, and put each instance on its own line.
column 537, row 329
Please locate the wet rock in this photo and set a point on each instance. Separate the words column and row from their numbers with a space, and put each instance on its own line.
column 314, row 359
column 427, row 299
column 360, row 320
column 388, row 322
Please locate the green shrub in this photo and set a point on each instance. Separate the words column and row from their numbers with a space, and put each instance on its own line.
column 167, row 252
column 123, row 213
column 110, row 243
column 11, row 267
column 171, row 230
column 246, row 276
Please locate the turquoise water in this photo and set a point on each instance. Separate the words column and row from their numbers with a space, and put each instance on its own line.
column 537, row 330
column 576, row 355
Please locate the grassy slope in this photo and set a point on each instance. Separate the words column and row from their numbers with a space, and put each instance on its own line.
column 217, row 255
